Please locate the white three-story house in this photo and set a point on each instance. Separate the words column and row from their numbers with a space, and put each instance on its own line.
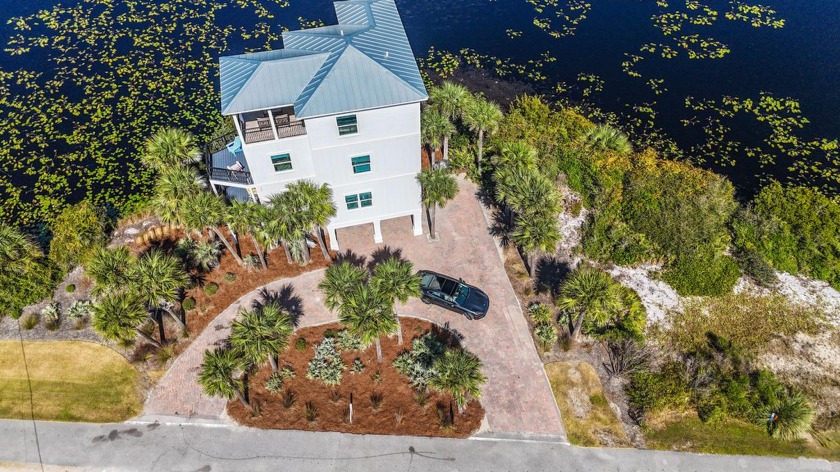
column 338, row 105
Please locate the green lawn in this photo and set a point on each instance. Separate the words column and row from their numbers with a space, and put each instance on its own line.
column 732, row 437
column 71, row 381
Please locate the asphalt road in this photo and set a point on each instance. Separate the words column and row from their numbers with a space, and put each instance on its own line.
column 143, row 446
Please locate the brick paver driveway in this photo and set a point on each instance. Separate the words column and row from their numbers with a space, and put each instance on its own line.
column 517, row 396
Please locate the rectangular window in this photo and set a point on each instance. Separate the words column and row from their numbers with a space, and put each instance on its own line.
column 347, row 125
column 360, row 164
column 361, row 200
column 281, row 162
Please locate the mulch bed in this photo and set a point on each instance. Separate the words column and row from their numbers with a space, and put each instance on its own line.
column 399, row 412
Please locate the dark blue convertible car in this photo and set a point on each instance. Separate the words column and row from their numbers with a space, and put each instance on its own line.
column 455, row 295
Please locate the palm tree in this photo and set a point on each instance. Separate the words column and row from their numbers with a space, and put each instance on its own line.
column 607, row 138
column 515, row 155
column 288, row 224
column 437, row 186
column 368, row 314
column 220, row 375
column 318, row 208
column 396, row 278
column 262, row 334
column 435, row 129
column 534, row 234
column 174, row 186
column 169, row 148
column 588, row 292
column 482, row 116
column 205, row 211
column 244, row 217
column 790, row 417
column 109, row 269
column 451, row 99
column 118, row 317
column 459, row 374
column 339, row 280
column 158, row 278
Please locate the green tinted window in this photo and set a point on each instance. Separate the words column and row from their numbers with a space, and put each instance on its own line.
column 347, row 125
column 281, row 162
column 360, row 164
column 366, row 199
column 352, row 201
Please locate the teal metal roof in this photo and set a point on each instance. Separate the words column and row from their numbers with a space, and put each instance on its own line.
column 365, row 61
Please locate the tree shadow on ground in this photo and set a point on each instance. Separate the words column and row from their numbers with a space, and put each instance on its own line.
column 351, row 257
column 501, row 225
column 284, row 297
column 551, row 272
column 383, row 254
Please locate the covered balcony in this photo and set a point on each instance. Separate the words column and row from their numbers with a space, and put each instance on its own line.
column 225, row 165
column 266, row 125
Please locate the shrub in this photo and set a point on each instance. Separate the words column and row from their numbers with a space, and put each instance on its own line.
column 203, row 255
column 418, row 364
column 188, row 304
column 650, row 391
column 331, row 333
column 753, row 264
column 230, row 277
column 289, row 399
column 26, row 276
column 275, row 382
column 70, row 288
column 357, row 367
column 77, row 232
column 29, row 321
column 251, row 262
column 547, row 334
column 376, row 399
column 51, row 314
column 347, row 341
column 326, row 365
column 301, row 344
column 211, row 288
column 310, row 412
column 80, row 311
column 703, row 274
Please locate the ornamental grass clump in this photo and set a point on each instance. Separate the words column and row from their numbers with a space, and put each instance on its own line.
column 326, row 365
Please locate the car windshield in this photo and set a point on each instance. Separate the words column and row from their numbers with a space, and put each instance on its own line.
column 463, row 292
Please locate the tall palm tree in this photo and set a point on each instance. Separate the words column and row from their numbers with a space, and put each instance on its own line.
column 588, row 292
column 368, row 314
column 318, row 208
column 289, row 224
column 220, row 375
column 437, row 187
column 242, row 218
column 205, row 211
column 158, row 278
column 262, row 334
column 435, row 129
column 340, row 279
column 174, row 186
column 534, row 234
column 482, row 116
column 396, row 279
column 459, row 374
column 607, row 138
column 169, row 148
column 451, row 99
column 515, row 155
column 118, row 317
column 109, row 269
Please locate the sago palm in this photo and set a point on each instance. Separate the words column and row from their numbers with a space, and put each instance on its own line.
column 119, row 316
column 437, row 187
column 482, row 117
column 459, row 374
column 588, row 292
column 220, row 375
column 168, row 148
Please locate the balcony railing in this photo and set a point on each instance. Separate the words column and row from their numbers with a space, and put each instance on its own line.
column 260, row 129
column 217, row 159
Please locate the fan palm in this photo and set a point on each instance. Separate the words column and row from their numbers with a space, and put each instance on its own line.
column 588, row 292
column 459, row 374
column 220, row 375
column 244, row 217
column 317, row 208
column 790, row 417
column 118, row 317
column 437, row 187
column 534, row 234
column 451, row 99
column 289, row 224
column 174, row 186
column 205, row 211
column 396, row 279
column 367, row 313
column 158, row 278
column 109, row 269
column 339, row 280
column 516, row 155
column 435, row 128
column 169, row 148
column 482, row 116
column 262, row 334
column 608, row 139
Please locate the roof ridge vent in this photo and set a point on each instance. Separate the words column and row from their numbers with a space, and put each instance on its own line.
column 341, row 31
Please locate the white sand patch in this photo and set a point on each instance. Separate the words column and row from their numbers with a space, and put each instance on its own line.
column 658, row 297
column 800, row 290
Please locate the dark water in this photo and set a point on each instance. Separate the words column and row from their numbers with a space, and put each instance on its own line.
column 801, row 60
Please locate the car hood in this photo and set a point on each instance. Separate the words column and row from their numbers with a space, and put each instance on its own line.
column 477, row 301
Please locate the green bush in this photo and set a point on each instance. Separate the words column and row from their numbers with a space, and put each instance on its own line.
column 51, row 314
column 188, row 304
column 230, row 277
column 70, row 288
column 301, row 344
column 544, row 328
column 26, row 276
column 790, row 418
column 703, row 273
column 418, row 364
column 358, row 366
column 211, row 288
column 326, row 365
column 275, row 382
column 77, row 232
column 80, row 309
column 753, row 264
column 650, row 391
